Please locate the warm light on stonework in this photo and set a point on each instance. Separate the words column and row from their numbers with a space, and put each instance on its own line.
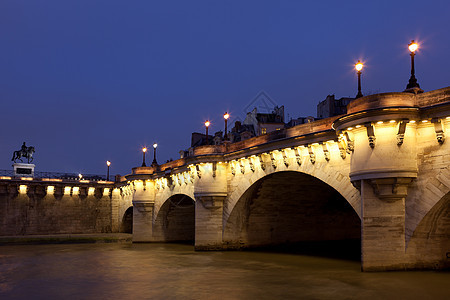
column 75, row 190
column 50, row 189
column 91, row 191
column 23, row 189
column 66, row 190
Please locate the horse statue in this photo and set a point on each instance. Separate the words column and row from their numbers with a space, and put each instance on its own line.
column 26, row 152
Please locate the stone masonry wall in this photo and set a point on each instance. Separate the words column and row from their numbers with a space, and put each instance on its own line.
column 36, row 212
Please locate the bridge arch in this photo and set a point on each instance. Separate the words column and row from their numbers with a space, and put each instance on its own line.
column 289, row 207
column 425, row 194
column 429, row 246
column 334, row 175
column 175, row 219
column 126, row 225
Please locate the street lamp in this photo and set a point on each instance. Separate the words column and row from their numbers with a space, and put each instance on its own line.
column 143, row 157
column 207, row 123
column 358, row 66
column 413, row 46
column 154, row 163
column 226, row 116
column 108, row 163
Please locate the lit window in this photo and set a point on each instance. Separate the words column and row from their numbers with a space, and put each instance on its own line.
column 263, row 130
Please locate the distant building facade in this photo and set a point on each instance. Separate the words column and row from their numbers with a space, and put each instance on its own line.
column 256, row 123
column 332, row 107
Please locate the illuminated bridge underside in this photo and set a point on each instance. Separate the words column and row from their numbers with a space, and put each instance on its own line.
column 380, row 173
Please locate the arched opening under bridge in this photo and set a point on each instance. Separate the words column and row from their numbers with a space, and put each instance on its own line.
column 430, row 243
column 294, row 212
column 176, row 220
column 127, row 221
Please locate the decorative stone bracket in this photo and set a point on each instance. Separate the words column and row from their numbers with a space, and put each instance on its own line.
column 214, row 169
column 326, row 153
column 312, row 155
column 298, row 155
column 250, row 163
column 371, row 135
column 401, row 132
column 439, row 130
column 261, row 163
column 199, row 174
column 272, row 159
column 341, row 145
column 285, row 158
column 350, row 143
column 241, row 166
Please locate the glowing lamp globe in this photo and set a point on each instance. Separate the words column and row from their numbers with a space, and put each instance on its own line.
column 359, row 65
column 413, row 46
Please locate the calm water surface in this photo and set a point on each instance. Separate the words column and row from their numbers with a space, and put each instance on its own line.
column 169, row 271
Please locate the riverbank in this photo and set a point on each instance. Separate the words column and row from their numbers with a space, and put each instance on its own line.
column 66, row 239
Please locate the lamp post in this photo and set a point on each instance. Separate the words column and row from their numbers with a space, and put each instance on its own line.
column 358, row 66
column 108, row 163
column 413, row 46
column 207, row 123
column 226, row 115
column 143, row 157
column 154, row 163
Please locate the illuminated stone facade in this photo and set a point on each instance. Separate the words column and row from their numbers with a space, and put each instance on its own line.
column 387, row 157
column 379, row 173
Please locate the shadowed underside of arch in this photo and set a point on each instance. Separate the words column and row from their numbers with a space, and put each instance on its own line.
column 429, row 246
column 290, row 207
column 175, row 221
column 126, row 225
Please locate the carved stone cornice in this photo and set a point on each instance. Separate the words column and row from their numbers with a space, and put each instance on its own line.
column 144, row 206
column 211, row 200
column 391, row 189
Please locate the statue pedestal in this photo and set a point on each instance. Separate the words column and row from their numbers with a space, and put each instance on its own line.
column 23, row 170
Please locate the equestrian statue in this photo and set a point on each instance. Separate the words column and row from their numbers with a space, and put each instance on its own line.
column 26, row 152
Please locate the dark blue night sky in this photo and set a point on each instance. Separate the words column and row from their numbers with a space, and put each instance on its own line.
column 88, row 81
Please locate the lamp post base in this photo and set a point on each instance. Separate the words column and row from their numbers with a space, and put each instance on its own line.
column 414, row 90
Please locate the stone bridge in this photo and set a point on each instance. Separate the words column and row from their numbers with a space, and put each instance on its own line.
column 379, row 175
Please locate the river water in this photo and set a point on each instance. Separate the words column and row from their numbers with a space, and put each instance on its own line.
column 171, row 271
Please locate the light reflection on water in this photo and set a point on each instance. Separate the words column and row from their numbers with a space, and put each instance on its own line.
column 170, row 271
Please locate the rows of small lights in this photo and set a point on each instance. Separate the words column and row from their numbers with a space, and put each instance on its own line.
column 67, row 190
column 394, row 122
